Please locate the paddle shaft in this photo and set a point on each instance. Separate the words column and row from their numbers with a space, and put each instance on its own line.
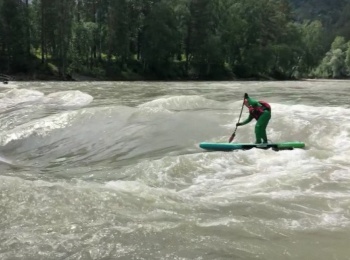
column 239, row 119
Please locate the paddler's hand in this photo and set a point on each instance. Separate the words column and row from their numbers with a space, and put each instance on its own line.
column 238, row 124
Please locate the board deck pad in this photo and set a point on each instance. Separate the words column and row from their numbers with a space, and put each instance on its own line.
column 246, row 146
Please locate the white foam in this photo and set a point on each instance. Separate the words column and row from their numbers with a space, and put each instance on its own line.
column 40, row 127
column 9, row 85
column 181, row 103
column 6, row 161
column 17, row 96
column 340, row 175
column 69, row 98
column 44, row 126
column 61, row 99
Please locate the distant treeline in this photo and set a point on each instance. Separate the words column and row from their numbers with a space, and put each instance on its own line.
column 175, row 39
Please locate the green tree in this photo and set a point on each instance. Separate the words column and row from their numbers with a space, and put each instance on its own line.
column 313, row 45
column 333, row 64
column 161, row 39
column 347, row 59
column 119, row 32
column 14, row 35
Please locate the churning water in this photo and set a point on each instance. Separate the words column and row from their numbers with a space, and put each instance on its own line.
column 108, row 170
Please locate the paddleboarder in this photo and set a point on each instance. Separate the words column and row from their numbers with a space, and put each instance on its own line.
column 261, row 111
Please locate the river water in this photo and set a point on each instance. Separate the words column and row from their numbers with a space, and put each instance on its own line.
column 112, row 170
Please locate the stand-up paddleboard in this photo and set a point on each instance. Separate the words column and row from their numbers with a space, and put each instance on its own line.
column 247, row 146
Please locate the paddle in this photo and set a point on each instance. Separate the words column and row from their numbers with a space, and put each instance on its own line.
column 234, row 133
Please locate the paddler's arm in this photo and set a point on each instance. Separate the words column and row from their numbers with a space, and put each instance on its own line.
column 250, row 118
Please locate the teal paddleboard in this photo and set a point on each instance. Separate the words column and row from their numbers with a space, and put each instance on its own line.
column 247, row 146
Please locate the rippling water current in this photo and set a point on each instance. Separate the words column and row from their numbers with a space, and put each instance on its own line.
column 110, row 170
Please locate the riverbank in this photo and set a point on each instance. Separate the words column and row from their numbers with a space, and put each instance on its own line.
column 35, row 70
column 82, row 77
column 50, row 73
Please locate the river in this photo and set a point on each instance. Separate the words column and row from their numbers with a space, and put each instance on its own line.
column 112, row 170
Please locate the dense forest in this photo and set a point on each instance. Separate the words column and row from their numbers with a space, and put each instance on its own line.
column 175, row 39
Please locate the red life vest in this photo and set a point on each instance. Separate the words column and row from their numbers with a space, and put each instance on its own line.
column 256, row 112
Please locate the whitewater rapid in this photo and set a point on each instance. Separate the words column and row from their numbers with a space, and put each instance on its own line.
column 112, row 170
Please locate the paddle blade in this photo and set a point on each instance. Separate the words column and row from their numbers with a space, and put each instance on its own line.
column 231, row 138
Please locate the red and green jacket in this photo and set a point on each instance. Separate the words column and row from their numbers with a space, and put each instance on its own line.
column 256, row 109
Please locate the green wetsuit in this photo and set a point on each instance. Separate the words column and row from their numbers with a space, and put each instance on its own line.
column 261, row 124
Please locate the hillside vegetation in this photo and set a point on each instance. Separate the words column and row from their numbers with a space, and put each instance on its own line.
column 175, row 39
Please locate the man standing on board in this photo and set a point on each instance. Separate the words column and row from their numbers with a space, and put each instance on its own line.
column 261, row 111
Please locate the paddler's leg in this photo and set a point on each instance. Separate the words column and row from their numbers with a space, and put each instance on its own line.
column 260, row 127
